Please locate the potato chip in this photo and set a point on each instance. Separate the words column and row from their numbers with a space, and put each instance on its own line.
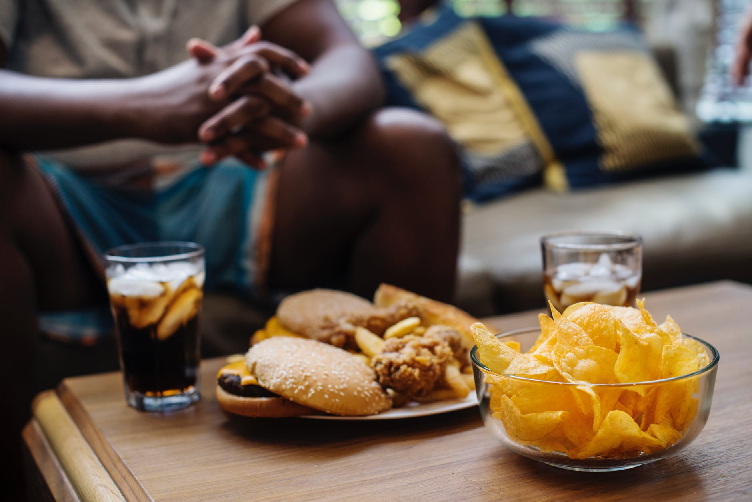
column 536, row 398
column 627, row 402
column 493, row 353
column 512, row 345
column 594, row 344
column 570, row 334
column 545, row 352
column 548, row 329
column 653, row 330
column 602, row 402
column 678, row 360
column 590, row 363
column 574, row 307
column 639, row 357
column 618, row 432
column 554, row 313
column 597, row 322
column 630, row 317
column 527, row 365
column 673, row 330
column 698, row 349
column 529, row 426
column 578, row 430
column 646, row 317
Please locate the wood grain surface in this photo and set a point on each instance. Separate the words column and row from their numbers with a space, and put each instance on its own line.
column 48, row 480
column 202, row 454
column 81, row 465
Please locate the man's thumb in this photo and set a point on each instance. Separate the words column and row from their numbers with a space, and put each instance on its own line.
column 201, row 50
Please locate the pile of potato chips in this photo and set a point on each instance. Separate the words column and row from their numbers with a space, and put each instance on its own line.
column 588, row 344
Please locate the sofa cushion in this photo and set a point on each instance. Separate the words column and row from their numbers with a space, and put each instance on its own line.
column 695, row 227
column 601, row 100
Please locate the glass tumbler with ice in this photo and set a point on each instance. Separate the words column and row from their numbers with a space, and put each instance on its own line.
column 155, row 292
column 601, row 267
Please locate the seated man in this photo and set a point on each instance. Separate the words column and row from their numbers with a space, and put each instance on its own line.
column 106, row 119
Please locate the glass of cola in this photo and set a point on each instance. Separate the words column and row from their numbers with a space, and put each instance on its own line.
column 155, row 293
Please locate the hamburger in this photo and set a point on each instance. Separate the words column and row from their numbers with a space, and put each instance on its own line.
column 288, row 376
column 297, row 366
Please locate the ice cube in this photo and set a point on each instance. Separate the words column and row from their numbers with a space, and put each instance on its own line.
column 603, row 268
column 612, row 297
column 572, row 271
column 592, row 287
column 134, row 287
column 177, row 273
column 200, row 278
column 633, row 281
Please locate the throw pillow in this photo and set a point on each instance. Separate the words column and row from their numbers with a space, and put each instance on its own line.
column 449, row 69
column 600, row 99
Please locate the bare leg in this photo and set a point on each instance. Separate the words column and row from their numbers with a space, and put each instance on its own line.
column 380, row 205
column 41, row 266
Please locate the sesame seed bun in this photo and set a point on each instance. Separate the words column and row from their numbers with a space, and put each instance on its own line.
column 317, row 375
column 323, row 314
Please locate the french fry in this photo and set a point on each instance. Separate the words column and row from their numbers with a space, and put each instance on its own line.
column 370, row 344
column 469, row 380
column 366, row 360
column 402, row 328
column 454, row 378
column 419, row 331
column 437, row 395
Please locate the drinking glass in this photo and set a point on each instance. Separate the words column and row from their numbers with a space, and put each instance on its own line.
column 155, row 293
column 584, row 266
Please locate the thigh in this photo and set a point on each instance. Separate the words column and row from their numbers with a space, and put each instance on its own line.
column 326, row 193
column 380, row 204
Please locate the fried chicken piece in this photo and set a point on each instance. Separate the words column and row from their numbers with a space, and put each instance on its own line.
column 450, row 336
column 412, row 365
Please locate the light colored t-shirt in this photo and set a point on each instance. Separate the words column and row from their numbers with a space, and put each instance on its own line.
column 84, row 39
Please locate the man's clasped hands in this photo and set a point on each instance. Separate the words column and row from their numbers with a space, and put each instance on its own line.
column 236, row 99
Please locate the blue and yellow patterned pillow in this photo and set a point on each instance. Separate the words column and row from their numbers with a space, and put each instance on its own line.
column 524, row 97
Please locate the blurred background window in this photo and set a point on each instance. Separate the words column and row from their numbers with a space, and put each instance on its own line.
column 702, row 34
column 377, row 20
column 720, row 100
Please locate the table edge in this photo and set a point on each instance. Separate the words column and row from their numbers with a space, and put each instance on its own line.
column 113, row 463
column 53, row 481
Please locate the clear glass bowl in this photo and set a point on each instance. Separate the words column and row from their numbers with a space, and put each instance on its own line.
column 700, row 385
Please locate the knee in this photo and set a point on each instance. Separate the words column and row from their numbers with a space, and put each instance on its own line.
column 413, row 147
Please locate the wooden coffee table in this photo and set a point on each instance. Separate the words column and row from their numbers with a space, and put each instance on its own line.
column 85, row 441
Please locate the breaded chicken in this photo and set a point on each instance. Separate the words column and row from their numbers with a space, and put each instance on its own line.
column 412, row 365
column 451, row 337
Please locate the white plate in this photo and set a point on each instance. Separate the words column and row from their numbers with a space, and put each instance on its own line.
column 411, row 410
